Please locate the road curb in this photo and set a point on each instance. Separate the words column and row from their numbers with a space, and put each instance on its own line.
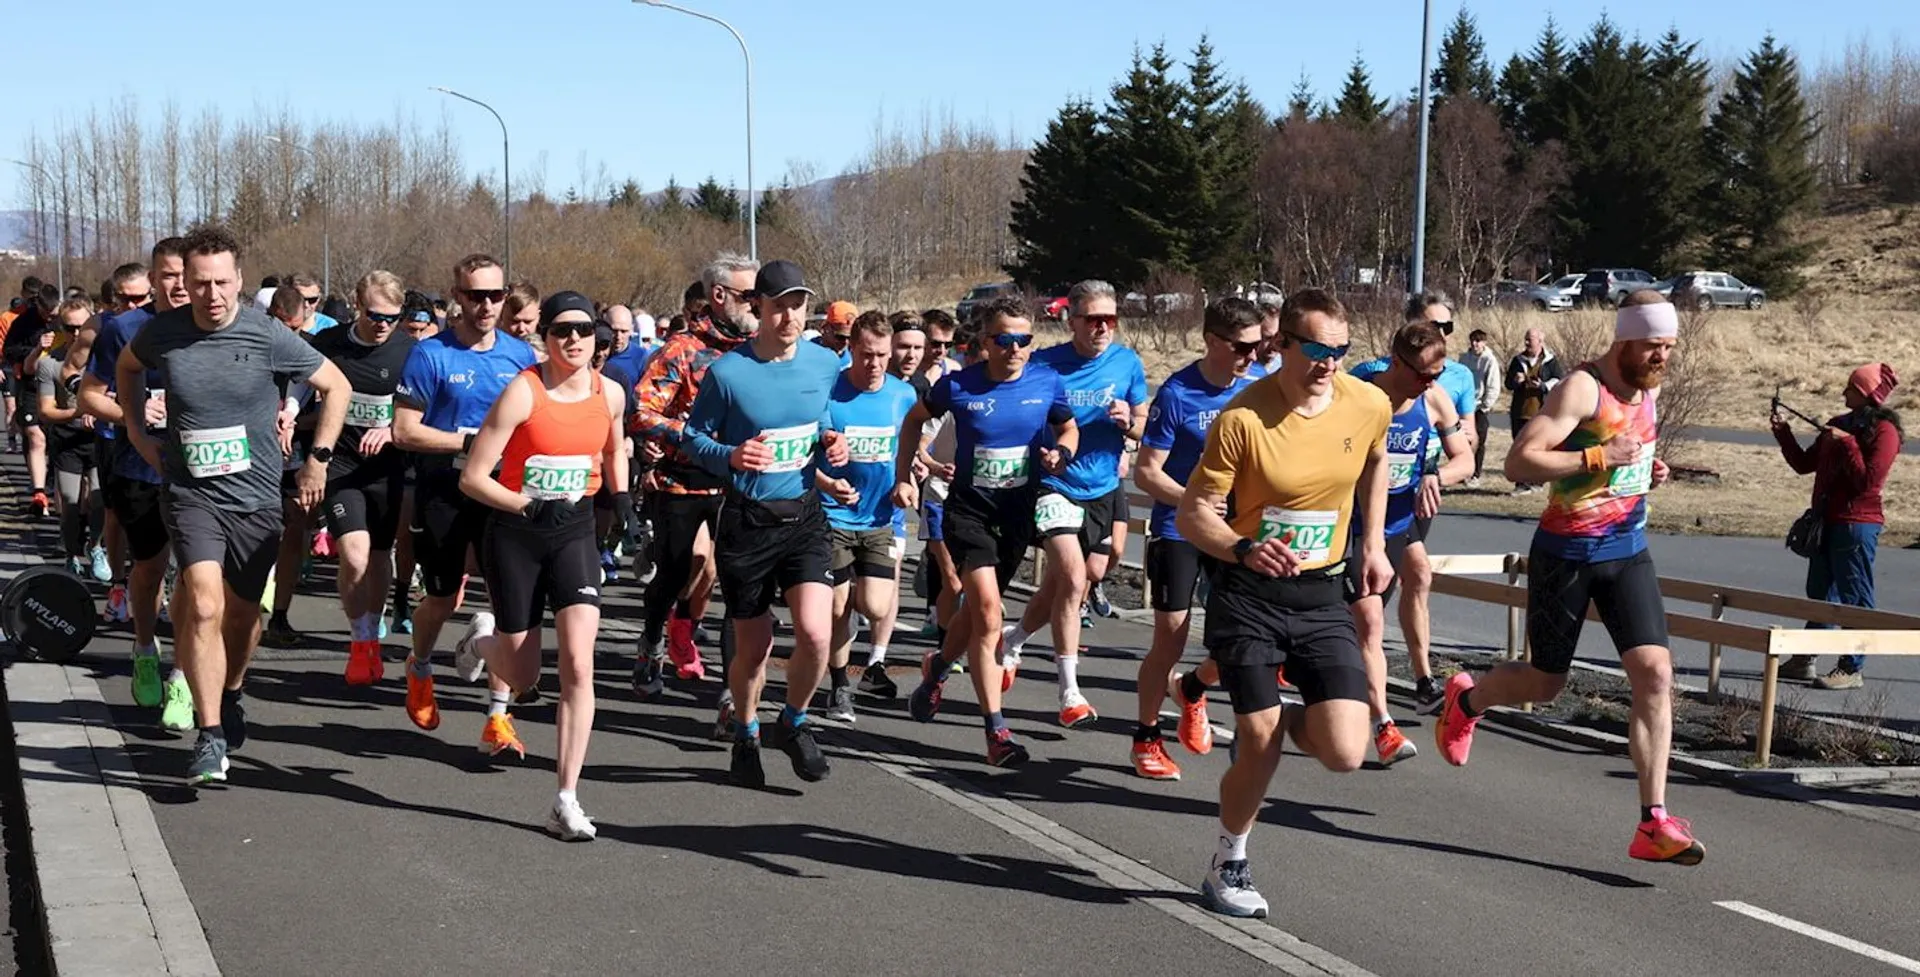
column 114, row 902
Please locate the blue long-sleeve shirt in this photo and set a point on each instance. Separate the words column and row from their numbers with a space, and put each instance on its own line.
column 787, row 400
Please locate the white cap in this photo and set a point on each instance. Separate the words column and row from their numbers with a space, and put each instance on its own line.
column 263, row 299
column 643, row 327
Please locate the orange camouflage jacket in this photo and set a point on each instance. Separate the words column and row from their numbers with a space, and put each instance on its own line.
column 663, row 396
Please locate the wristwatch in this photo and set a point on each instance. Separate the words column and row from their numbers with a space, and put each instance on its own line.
column 1241, row 549
column 321, row 455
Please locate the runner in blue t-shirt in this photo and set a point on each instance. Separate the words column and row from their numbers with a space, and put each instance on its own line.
column 1003, row 412
column 1073, row 520
column 1176, row 434
column 448, row 384
column 867, row 407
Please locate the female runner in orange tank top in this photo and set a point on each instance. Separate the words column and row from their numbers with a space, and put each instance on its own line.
column 553, row 436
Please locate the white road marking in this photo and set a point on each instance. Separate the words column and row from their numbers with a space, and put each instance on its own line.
column 1867, row 950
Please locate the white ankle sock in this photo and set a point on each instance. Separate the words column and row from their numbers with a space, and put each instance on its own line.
column 1233, row 848
column 497, row 703
column 1017, row 641
column 567, row 797
column 1069, row 666
column 876, row 655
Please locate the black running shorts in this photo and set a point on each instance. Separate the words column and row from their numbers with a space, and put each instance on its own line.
column 982, row 532
column 1356, row 567
column 1091, row 520
column 137, row 505
column 447, row 525
column 1255, row 624
column 765, row 549
column 245, row 544
column 535, row 565
column 1174, row 566
column 365, row 501
column 1626, row 592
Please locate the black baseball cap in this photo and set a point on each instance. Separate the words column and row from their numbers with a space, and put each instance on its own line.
column 560, row 302
column 777, row 278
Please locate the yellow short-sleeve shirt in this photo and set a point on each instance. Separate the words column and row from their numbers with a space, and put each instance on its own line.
column 1291, row 476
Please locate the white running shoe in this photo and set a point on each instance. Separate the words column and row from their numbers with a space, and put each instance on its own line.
column 568, row 822
column 468, row 663
column 1228, row 890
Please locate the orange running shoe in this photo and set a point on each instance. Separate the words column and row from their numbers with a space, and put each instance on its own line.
column 1150, row 760
column 422, row 707
column 1392, row 746
column 1453, row 730
column 1196, row 734
column 364, row 665
column 1075, row 711
column 500, row 736
column 1666, row 839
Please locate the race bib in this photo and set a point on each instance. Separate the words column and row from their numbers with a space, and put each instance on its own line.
column 1056, row 511
column 161, row 396
column 1308, row 534
column 460, row 460
column 217, row 451
column 870, row 444
column 369, row 411
column 556, row 477
column 1000, row 468
column 792, row 446
column 1402, row 469
column 1635, row 479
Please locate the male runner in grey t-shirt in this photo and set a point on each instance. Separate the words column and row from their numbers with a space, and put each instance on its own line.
column 223, row 367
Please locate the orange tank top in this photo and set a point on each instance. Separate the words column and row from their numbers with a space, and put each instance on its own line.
column 555, row 453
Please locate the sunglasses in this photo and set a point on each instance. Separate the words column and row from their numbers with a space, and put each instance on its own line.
column 139, row 299
column 382, row 318
column 939, row 344
column 1009, row 340
column 310, row 299
column 1239, row 348
column 1319, row 352
column 1426, row 379
column 1444, row 325
column 493, row 296
column 1109, row 321
column 566, row 330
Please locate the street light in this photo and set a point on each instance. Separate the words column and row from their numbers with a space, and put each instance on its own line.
column 506, row 178
column 326, row 215
column 60, row 260
column 1419, row 275
column 753, row 198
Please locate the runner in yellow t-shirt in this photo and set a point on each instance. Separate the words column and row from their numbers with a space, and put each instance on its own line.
column 1286, row 461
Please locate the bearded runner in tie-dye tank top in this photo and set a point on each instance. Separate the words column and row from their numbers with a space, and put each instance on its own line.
column 1596, row 516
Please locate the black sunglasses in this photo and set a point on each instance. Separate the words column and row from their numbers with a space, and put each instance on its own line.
column 140, row 299
column 1444, row 325
column 567, row 330
column 1425, row 377
column 1239, row 348
column 492, row 295
column 1009, row 340
column 310, row 299
column 387, row 320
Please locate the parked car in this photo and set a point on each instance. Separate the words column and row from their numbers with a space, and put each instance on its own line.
column 979, row 295
column 1261, row 292
column 1707, row 289
column 1517, row 294
column 1568, row 285
column 1054, row 303
column 1611, row 285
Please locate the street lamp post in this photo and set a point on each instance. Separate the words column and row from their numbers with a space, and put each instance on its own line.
column 506, row 176
column 1417, row 280
column 753, row 197
column 326, row 215
column 60, row 260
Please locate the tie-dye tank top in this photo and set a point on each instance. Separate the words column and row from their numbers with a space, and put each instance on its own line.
column 1597, row 516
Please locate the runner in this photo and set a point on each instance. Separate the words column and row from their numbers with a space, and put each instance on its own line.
column 420, row 324
column 300, row 543
column 132, row 487
column 763, row 414
column 1422, row 413
column 554, row 435
column 941, row 327
column 1073, row 519
column 70, row 441
column 1002, row 413
column 364, row 477
column 1177, row 423
column 30, row 333
column 1593, row 442
column 909, row 349
column 1294, row 452
column 683, row 499
column 221, row 364
column 312, row 319
column 449, row 382
column 867, row 408
column 520, row 317
column 836, row 333
column 934, row 473
column 620, row 360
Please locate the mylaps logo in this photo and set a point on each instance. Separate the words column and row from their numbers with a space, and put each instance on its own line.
column 49, row 618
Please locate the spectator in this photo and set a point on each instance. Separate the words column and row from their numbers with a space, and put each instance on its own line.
column 1532, row 373
column 1849, row 459
column 1485, row 368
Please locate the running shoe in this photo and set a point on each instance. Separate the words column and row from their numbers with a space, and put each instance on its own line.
column 468, row 662
column 233, row 719
column 875, row 681
column 929, row 628
column 840, row 704
column 1196, row 733
column 280, row 633
column 1666, row 839
column 1453, row 731
column 1427, row 697
column 1150, row 760
column 306, row 570
column 723, row 719
column 567, row 822
column 1075, row 711
column 802, row 750
column 1086, row 617
column 381, row 635
column 924, row 703
column 1228, row 890
column 1097, row 601
column 529, row 696
column 1009, row 659
column 1391, row 746
column 405, row 621
column 146, row 680
column 500, row 736
column 609, row 567
column 422, row 706
column 322, row 544
column 119, row 611
column 39, row 505
column 682, row 651
column 364, row 665
column 702, row 634
column 77, row 565
column 648, row 667
column 102, row 570
column 745, row 770
column 176, row 709
column 209, row 765
column 1003, row 750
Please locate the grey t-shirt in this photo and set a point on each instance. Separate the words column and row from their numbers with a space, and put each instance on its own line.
column 64, row 397
column 223, row 398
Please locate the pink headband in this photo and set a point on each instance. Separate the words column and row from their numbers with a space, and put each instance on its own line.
column 1659, row 321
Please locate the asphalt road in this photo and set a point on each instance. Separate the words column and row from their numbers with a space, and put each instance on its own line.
column 350, row 842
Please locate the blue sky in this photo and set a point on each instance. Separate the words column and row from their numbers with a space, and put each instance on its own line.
column 652, row 93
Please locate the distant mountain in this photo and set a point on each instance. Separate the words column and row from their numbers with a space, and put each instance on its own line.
column 15, row 229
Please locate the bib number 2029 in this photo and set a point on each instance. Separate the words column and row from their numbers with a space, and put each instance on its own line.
column 217, row 451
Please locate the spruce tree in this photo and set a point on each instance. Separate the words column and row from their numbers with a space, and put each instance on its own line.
column 1059, row 221
column 1532, row 90
column 1153, row 173
column 673, row 199
column 1357, row 107
column 1609, row 212
column 1676, row 126
column 1463, row 70
column 1227, row 127
column 1762, row 177
column 718, row 202
column 1300, row 102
